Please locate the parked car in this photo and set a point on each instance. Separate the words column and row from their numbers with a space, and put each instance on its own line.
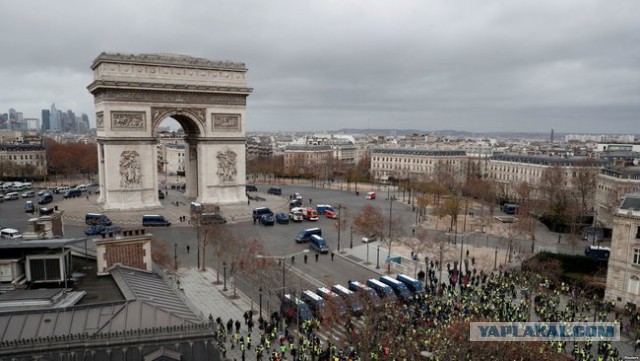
column 101, row 229
column 369, row 239
column 94, row 230
column 331, row 214
column 371, row 195
column 282, row 218
column 251, row 188
column 266, row 220
column 275, row 191
column 10, row 233
column 28, row 194
column 28, row 207
column 160, row 194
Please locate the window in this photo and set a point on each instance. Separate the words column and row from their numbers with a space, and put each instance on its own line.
column 638, row 232
column 633, row 286
column 636, row 256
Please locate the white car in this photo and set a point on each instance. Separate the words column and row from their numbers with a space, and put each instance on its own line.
column 369, row 239
column 10, row 233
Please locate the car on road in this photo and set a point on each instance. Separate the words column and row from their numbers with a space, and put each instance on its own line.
column 276, row 191
column 28, row 194
column 261, row 211
column 101, row 229
column 331, row 214
column 45, row 198
column 282, row 218
column 251, row 188
column 160, row 194
column 266, row 220
column 370, row 238
column 371, row 195
column 28, row 207
column 10, row 233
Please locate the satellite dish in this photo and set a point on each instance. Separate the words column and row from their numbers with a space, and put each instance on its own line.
column 635, row 161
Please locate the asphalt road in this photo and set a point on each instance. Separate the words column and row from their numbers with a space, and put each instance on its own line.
column 278, row 239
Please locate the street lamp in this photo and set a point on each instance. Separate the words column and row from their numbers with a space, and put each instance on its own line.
column 283, row 260
column 224, row 269
column 175, row 256
column 339, row 221
column 260, row 291
column 378, row 258
column 351, row 238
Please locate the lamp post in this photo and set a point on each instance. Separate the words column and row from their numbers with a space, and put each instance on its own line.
column 351, row 238
column 260, row 292
column 378, row 258
column 175, row 256
column 283, row 260
column 224, row 269
column 339, row 221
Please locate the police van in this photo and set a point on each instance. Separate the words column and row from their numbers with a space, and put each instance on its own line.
column 97, row 218
column 305, row 234
column 599, row 252
column 335, row 302
column 293, row 308
column 398, row 287
column 318, row 244
column 365, row 292
column 350, row 298
column 416, row 287
column 315, row 302
column 385, row 292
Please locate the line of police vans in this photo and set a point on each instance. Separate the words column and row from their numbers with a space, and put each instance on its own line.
column 338, row 300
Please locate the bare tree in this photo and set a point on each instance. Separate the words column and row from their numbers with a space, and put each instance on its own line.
column 372, row 221
column 553, row 188
column 585, row 182
column 207, row 231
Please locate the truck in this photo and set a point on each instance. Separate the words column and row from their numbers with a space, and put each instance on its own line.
column 310, row 214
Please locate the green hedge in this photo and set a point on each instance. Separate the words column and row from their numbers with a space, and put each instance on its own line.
column 574, row 263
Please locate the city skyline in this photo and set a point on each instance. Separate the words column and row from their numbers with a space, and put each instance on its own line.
column 478, row 67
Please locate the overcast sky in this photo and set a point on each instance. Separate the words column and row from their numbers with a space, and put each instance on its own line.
column 321, row 65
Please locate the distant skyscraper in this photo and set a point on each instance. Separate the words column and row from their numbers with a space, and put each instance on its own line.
column 45, row 120
column 54, row 118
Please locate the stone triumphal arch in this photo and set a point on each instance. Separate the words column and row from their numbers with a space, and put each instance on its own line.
column 134, row 93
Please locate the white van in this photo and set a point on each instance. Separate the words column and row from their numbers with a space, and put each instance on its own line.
column 82, row 188
column 10, row 233
column 11, row 196
column 61, row 189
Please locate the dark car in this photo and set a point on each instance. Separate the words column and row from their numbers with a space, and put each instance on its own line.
column 282, row 218
column 160, row 194
column 101, row 229
column 266, row 220
column 251, row 188
column 94, row 230
column 275, row 191
column 29, row 207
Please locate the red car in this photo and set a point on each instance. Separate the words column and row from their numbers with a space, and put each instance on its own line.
column 331, row 214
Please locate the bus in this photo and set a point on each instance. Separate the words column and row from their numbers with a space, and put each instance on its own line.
column 599, row 252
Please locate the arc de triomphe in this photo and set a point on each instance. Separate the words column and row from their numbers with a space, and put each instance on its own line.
column 133, row 94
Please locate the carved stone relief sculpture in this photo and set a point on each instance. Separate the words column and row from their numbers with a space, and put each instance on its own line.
column 226, row 122
column 227, row 170
column 128, row 120
column 100, row 120
column 130, row 169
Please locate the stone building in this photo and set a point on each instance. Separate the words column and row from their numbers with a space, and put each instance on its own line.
column 509, row 170
column 302, row 159
column 623, row 273
column 416, row 164
column 23, row 160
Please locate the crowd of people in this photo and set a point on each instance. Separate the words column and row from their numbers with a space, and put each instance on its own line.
column 403, row 331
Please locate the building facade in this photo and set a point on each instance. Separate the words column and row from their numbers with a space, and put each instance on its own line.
column 623, row 272
column 417, row 164
column 22, row 160
column 307, row 159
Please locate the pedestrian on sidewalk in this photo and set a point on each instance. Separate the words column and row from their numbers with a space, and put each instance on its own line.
column 332, row 254
column 317, row 255
column 188, row 248
column 246, row 317
column 237, row 326
column 229, row 326
column 305, row 258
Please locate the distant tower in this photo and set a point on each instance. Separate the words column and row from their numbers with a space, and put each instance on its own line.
column 552, row 136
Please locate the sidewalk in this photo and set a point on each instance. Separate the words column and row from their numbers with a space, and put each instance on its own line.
column 206, row 298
